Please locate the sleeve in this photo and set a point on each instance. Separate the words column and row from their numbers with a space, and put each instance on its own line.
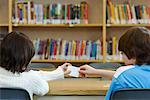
column 115, row 85
column 40, row 86
column 51, row 75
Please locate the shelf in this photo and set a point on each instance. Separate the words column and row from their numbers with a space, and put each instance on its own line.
column 77, row 25
column 72, row 61
column 119, row 61
column 59, row 25
column 128, row 25
column 4, row 25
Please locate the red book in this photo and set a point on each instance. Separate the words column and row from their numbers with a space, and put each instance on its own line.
column 68, row 13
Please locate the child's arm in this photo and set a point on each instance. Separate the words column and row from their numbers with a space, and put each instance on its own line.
column 56, row 74
column 86, row 69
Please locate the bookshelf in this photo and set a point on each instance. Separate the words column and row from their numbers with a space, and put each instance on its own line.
column 97, row 27
column 60, row 25
column 91, row 31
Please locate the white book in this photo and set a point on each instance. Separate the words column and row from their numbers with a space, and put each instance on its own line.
column 63, row 49
column 98, row 42
column 89, row 49
column 58, row 49
column 69, row 50
column 41, row 14
column 38, row 9
column 29, row 12
column 16, row 14
column 145, row 15
column 134, row 20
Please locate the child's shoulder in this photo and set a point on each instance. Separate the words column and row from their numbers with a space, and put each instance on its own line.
column 122, row 69
column 31, row 74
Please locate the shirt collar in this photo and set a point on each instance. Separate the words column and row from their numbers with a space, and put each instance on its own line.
column 7, row 73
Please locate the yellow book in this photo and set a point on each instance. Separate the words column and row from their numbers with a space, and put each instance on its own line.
column 73, row 49
column 112, row 10
column 123, row 14
column 114, row 41
column 116, row 15
column 120, row 13
column 25, row 13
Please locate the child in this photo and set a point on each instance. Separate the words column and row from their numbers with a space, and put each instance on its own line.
column 135, row 46
column 17, row 51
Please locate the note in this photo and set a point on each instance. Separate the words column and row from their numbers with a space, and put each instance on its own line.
column 74, row 71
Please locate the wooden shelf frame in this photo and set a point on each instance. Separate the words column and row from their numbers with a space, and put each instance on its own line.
column 4, row 25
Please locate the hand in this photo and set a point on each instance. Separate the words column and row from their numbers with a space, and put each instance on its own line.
column 64, row 68
column 86, row 69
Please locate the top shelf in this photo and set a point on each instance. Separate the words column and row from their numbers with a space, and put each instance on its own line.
column 128, row 25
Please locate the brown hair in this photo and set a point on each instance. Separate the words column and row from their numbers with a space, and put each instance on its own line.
column 135, row 43
column 16, row 52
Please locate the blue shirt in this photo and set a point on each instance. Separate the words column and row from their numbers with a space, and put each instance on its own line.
column 132, row 76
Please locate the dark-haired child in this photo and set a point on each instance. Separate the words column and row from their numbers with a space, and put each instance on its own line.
column 135, row 47
column 17, row 51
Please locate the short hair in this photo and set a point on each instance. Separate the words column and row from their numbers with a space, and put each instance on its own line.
column 135, row 43
column 17, row 51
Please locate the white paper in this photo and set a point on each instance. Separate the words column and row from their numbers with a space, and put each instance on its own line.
column 74, row 71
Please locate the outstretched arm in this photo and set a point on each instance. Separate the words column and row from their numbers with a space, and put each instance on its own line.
column 56, row 74
column 86, row 69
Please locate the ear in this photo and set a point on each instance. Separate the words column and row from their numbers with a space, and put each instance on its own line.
column 132, row 60
column 24, row 68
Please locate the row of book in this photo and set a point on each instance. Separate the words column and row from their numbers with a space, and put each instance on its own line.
column 29, row 12
column 127, row 13
column 68, row 49
column 75, row 49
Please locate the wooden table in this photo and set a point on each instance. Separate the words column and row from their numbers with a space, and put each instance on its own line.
column 76, row 89
column 79, row 86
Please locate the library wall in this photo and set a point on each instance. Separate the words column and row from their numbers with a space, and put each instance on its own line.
column 4, row 12
column 117, row 31
column 64, row 33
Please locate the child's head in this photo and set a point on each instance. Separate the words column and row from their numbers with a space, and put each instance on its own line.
column 135, row 44
column 16, row 52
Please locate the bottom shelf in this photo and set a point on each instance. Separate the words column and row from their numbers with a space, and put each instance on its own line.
column 73, row 61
